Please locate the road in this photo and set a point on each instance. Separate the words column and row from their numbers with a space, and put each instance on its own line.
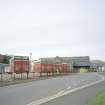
column 27, row 93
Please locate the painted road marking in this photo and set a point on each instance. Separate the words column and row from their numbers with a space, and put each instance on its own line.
column 60, row 92
column 69, row 87
column 44, row 100
column 83, row 80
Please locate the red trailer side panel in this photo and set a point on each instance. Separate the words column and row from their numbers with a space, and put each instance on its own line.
column 21, row 66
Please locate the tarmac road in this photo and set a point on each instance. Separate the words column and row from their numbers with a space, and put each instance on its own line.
column 81, row 97
column 24, row 94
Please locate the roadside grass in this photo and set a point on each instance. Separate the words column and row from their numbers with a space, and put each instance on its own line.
column 98, row 100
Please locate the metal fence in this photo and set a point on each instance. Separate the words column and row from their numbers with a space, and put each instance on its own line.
column 13, row 78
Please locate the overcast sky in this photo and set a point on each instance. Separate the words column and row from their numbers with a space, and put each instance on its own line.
column 53, row 27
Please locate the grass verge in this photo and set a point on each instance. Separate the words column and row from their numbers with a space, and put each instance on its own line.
column 98, row 100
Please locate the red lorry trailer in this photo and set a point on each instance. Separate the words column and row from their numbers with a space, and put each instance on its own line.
column 51, row 68
column 21, row 64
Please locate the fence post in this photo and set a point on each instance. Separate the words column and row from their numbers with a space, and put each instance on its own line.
column 21, row 75
column 27, row 74
column 14, row 76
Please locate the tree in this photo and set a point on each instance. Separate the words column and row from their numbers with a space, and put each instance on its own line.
column 6, row 59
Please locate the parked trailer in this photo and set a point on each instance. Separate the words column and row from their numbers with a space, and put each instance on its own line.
column 44, row 68
column 21, row 66
column 51, row 68
column 66, row 68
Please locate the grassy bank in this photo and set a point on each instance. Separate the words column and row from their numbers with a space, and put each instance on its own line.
column 98, row 100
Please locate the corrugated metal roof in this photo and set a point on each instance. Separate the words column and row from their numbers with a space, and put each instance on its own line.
column 77, row 61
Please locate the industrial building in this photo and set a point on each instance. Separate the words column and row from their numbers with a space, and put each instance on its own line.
column 81, row 62
column 97, row 65
column 51, row 65
column 21, row 64
column 74, row 64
